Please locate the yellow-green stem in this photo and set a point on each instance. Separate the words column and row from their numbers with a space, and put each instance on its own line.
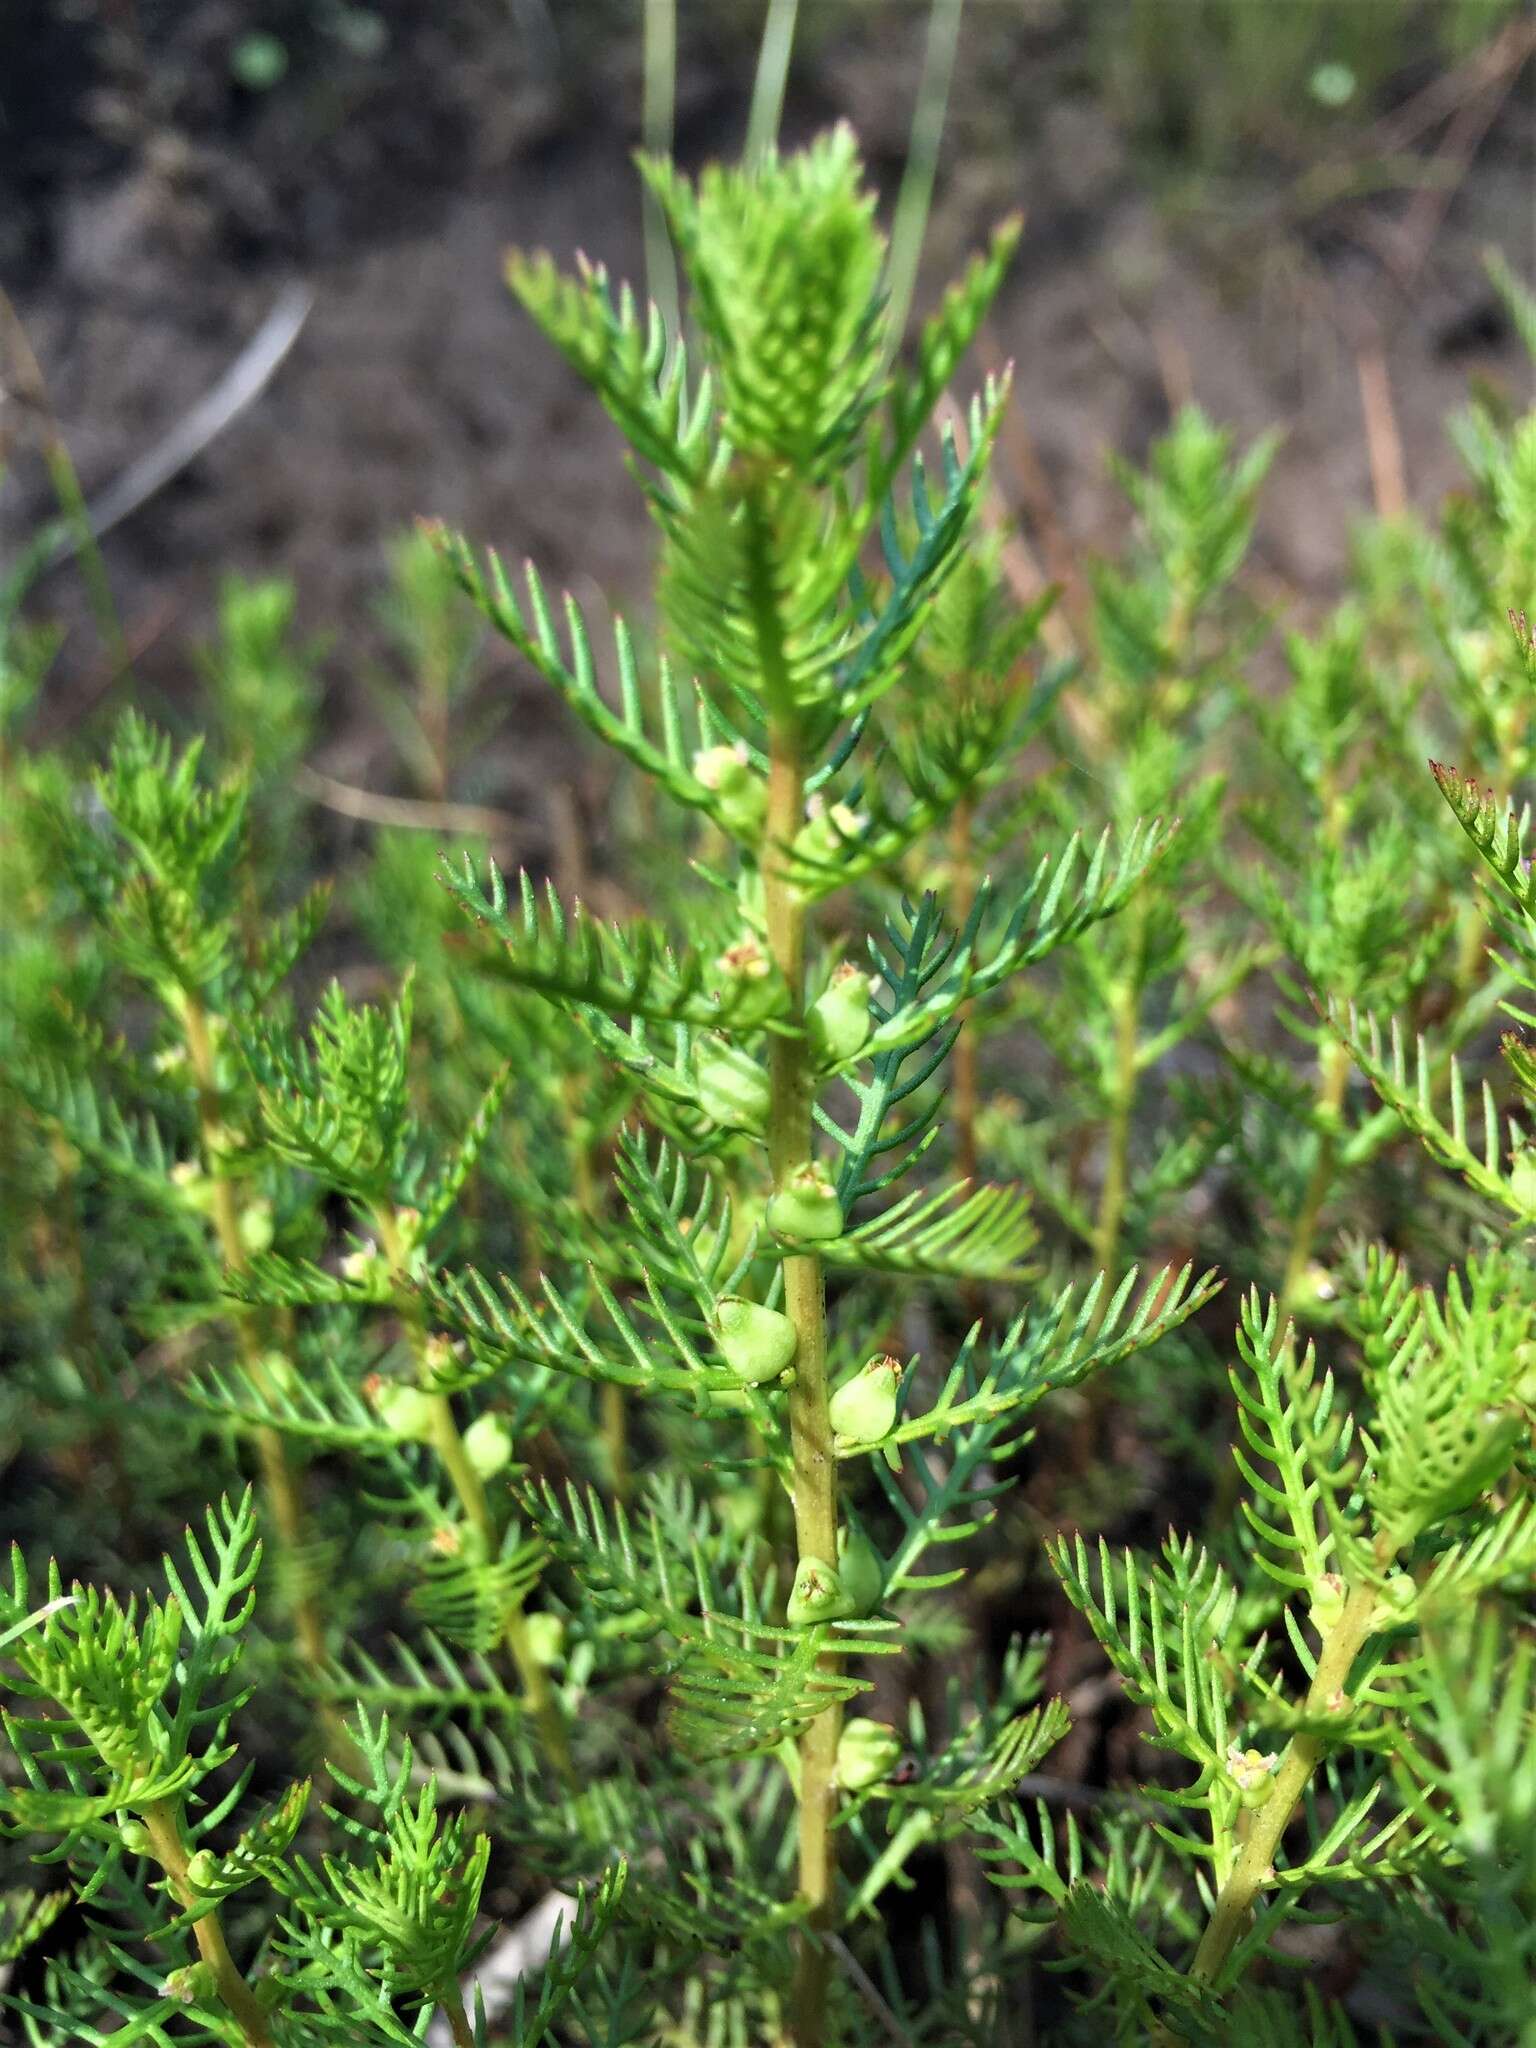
column 1110, row 1217
column 280, row 1489
column 792, row 1088
column 458, row 2019
column 162, row 1823
column 1330, row 1100
column 1116, row 1186
column 539, row 1700
column 1254, row 1868
column 613, row 1410
column 963, row 1094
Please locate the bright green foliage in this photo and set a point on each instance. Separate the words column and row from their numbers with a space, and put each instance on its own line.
column 662, row 1419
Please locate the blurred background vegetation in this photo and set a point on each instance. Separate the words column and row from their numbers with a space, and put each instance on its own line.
column 1277, row 211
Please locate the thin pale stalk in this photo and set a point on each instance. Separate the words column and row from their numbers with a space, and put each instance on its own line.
column 280, row 1486
column 1330, row 1100
column 162, row 1823
column 613, row 1407
column 1254, row 1868
column 452, row 2008
column 538, row 1695
column 770, row 78
column 1110, row 1217
column 657, row 114
column 912, row 202
column 964, row 1084
column 792, row 1087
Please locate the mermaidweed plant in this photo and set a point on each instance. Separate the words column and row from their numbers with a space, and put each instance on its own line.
column 1378, row 1528
column 163, row 882
column 125, row 1754
column 564, row 1279
column 769, row 478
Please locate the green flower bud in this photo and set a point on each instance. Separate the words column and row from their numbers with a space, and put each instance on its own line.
column 1252, row 1772
column 367, row 1268
column 406, row 1412
column 256, row 1227
column 745, row 961
column 861, row 1569
column 806, row 1206
column 546, row 1638
column 822, row 841
column 1522, row 1177
column 193, row 1185
column 863, row 1409
column 1394, row 1602
column 1318, row 1284
column 817, row 1595
column 1326, row 1602
column 757, row 1343
column 867, row 1752
column 279, row 1372
column 191, row 1984
column 839, row 1018
column 488, row 1445
column 134, row 1837
column 440, row 1358
column 413, row 1247
column 203, row 1871
column 740, row 793
column 732, row 1088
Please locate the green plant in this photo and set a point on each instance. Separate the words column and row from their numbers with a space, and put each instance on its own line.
column 642, row 1374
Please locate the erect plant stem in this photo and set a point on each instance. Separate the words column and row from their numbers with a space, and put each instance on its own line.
column 452, row 2006
column 963, row 1092
column 162, row 1823
column 792, row 1087
column 280, row 1486
column 538, row 1695
column 1126, row 1002
column 1122, row 1102
column 1254, row 1867
column 1330, row 1100
column 613, row 1410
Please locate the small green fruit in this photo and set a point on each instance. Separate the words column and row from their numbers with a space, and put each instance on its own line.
column 1396, row 1598
column 488, row 1445
column 193, row 1185
column 546, row 1638
column 405, row 1412
column 867, row 1752
column 280, row 1374
column 817, row 1595
column 256, row 1227
column 1252, row 1772
column 1326, row 1603
column 134, row 1837
column 822, row 842
column 861, row 1569
column 806, row 1206
column 1522, row 1177
column 745, row 961
column 192, row 1984
column 863, row 1409
column 203, row 1871
column 839, row 1018
column 757, row 1343
column 740, row 793
column 731, row 1086
column 367, row 1268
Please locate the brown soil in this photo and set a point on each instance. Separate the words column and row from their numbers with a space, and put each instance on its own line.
column 154, row 210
